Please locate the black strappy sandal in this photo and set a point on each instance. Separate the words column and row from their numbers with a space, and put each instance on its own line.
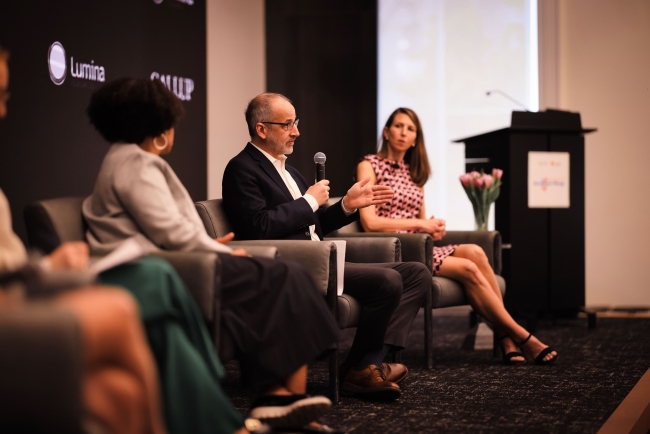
column 507, row 357
column 539, row 359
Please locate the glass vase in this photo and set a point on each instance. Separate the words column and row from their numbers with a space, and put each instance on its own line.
column 481, row 217
column 481, row 226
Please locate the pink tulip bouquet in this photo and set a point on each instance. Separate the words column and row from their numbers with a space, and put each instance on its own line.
column 482, row 191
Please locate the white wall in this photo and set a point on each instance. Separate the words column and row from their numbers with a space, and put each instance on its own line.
column 439, row 58
column 236, row 73
column 604, row 73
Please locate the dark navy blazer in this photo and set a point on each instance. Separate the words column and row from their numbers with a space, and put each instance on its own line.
column 259, row 205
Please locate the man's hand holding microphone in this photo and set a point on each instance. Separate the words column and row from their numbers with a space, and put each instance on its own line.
column 360, row 195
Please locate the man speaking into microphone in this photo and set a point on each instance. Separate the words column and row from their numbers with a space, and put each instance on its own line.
column 265, row 198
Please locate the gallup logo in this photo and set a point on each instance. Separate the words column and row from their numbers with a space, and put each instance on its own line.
column 59, row 68
column 182, row 87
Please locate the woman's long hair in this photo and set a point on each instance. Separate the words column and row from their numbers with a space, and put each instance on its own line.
column 416, row 156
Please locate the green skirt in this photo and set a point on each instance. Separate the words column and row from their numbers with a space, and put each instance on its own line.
column 188, row 366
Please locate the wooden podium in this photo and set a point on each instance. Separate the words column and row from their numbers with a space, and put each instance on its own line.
column 544, row 248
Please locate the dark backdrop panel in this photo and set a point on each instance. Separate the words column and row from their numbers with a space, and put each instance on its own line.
column 47, row 147
column 323, row 56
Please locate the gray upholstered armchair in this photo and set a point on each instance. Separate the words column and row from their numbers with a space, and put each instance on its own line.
column 40, row 371
column 319, row 258
column 444, row 292
column 54, row 221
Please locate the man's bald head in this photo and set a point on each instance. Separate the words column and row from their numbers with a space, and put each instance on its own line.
column 260, row 109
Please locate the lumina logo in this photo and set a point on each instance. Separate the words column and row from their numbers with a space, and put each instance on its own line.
column 56, row 63
column 59, row 67
column 88, row 71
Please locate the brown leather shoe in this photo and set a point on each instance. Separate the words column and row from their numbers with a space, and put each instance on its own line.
column 395, row 372
column 370, row 383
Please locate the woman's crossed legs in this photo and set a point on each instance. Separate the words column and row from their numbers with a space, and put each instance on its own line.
column 469, row 265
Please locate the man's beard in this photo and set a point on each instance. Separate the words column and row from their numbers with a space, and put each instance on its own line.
column 278, row 147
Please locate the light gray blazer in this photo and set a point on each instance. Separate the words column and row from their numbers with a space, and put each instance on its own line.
column 137, row 194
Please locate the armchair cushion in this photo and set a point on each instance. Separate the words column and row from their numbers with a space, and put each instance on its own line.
column 52, row 222
column 214, row 217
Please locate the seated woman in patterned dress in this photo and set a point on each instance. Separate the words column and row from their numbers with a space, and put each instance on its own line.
column 403, row 165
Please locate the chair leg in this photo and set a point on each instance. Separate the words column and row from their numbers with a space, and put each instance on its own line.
column 428, row 331
column 334, row 375
column 473, row 318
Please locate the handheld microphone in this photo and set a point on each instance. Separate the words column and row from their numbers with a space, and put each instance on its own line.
column 490, row 92
column 319, row 159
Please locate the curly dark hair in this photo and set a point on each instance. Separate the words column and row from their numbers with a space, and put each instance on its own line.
column 131, row 109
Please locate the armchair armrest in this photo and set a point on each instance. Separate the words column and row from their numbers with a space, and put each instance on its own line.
column 414, row 247
column 371, row 249
column 40, row 371
column 200, row 271
column 489, row 241
column 269, row 252
column 317, row 258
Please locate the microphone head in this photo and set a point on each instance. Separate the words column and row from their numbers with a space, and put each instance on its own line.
column 319, row 158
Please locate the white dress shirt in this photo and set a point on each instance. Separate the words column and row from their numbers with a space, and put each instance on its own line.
column 280, row 166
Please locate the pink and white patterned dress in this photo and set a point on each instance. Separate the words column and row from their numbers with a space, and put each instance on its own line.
column 408, row 199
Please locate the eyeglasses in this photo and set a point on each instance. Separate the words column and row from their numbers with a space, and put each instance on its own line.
column 287, row 125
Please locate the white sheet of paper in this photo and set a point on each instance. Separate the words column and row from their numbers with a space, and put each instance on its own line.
column 127, row 251
column 340, row 264
column 548, row 180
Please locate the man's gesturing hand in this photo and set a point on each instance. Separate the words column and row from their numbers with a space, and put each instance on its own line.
column 320, row 191
column 361, row 195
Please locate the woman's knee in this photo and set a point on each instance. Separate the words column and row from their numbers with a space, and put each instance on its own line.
column 120, row 316
column 472, row 252
column 117, row 398
column 470, row 271
column 122, row 306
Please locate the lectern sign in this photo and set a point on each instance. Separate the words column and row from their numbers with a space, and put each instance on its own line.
column 548, row 180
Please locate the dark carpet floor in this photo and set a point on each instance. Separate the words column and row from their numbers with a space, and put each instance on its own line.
column 469, row 391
